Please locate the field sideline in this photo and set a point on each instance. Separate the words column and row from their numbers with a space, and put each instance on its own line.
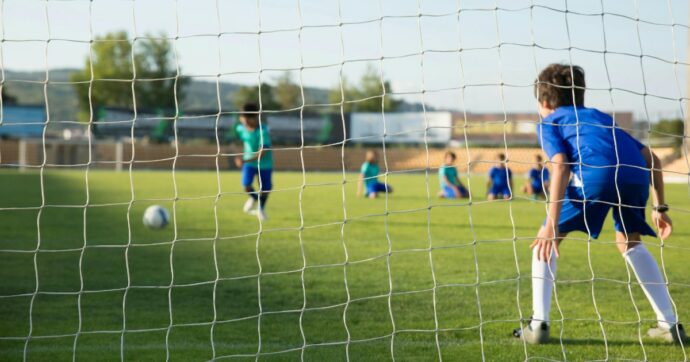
column 396, row 272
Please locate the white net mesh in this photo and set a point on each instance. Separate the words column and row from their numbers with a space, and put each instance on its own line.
column 329, row 275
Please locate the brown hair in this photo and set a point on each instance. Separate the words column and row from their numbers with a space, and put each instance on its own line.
column 502, row 156
column 560, row 85
column 250, row 110
column 451, row 154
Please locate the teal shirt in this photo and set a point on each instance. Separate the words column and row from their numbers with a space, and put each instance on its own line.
column 450, row 172
column 252, row 144
column 370, row 172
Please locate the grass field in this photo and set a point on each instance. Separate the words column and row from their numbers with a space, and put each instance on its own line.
column 218, row 282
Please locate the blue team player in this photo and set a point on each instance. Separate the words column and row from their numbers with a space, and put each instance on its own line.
column 596, row 167
column 451, row 187
column 257, row 159
column 500, row 181
column 537, row 184
column 368, row 177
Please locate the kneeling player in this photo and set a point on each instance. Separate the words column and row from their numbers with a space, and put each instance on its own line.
column 500, row 181
column 368, row 177
column 257, row 159
column 610, row 168
column 537, row 184
column 451, row 187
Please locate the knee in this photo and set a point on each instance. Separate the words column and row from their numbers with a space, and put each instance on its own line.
column 248, row 188
column 624, row 246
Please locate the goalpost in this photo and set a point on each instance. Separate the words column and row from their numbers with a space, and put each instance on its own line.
column 329, row 275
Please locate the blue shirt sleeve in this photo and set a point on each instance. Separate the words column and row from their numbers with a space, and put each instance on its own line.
column 550, row 138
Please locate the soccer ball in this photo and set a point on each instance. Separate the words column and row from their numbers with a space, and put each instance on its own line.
column 156, row 217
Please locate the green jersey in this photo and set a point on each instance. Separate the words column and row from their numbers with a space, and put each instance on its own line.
column 449, row 172
column 370, row 172
column 253, row 141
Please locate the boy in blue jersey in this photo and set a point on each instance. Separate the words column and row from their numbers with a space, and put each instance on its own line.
column 451, row 187
column 257, row 159
column 368, row 177
column 596, row 167
column 537, row 184
column 500, row 181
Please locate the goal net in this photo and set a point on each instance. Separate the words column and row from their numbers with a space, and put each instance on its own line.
column 352, row 249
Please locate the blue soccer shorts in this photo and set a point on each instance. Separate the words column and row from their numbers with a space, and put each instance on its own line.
column 249, row 172
column 449, row 192
column 500, row 190
column 376, row 187
column 589, row 216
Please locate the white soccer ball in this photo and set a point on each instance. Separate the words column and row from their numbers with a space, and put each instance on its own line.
column 156, row 217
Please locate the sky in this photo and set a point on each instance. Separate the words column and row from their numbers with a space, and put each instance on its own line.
column 479, row 56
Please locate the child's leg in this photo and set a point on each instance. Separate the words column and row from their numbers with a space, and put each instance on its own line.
column 649, row 276
column 248, row 174
column 543, row 276
column 266, row 184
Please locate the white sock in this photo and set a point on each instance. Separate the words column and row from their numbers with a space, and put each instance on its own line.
column 652, row 282
column 543, row 275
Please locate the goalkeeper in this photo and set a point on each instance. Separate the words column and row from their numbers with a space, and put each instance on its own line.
column 595, row 168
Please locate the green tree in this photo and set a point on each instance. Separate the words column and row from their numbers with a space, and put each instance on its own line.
column 246, row 94
column 670, row 129
column 7, row 97
column 287, row 94
column 367, row 95
column 113, row 69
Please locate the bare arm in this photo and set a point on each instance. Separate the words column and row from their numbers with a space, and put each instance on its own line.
column 561, row 175
column 546, row 238
column 661, row 220
column 360, row 184
column 657, row 178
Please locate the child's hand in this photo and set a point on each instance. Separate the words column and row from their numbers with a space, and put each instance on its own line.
column 663, row 224
column 238, row 161
column 546, row 242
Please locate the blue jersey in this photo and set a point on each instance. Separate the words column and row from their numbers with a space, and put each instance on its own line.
column 500, row 177
column 594, row 147
column 537, row 176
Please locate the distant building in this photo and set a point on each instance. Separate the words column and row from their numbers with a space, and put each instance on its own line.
column 511, row 128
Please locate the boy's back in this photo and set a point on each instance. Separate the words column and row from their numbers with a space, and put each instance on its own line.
column 595, row 149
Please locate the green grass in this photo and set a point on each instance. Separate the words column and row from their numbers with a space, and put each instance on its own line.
column 126, row 271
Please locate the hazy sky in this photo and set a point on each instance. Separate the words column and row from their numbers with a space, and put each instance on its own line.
column 221, row 37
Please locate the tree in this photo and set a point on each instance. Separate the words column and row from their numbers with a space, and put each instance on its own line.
column 7, row 98
column 670, row 129
column 114, row 69
column 367, row 96
column 287, row 94
column 246, row 94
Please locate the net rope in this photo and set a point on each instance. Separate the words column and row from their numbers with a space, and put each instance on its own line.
column 389, row 171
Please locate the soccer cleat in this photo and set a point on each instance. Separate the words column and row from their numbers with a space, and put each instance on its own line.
column 533, row 336
column 675, row 334
column 249, row 205
column 260, row 214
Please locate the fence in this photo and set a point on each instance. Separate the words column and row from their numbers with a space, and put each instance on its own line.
column 119, row 155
